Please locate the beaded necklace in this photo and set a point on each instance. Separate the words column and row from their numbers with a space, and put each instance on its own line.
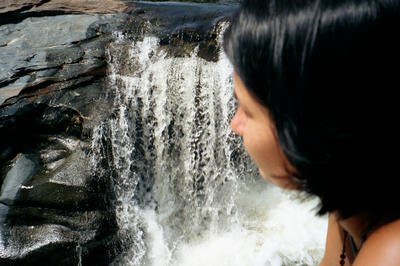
column 343, row 254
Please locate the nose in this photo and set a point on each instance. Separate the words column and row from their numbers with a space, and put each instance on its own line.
column 238, row 122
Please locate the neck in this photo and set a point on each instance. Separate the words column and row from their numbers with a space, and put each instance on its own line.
column 357, row 226
column 361, row 226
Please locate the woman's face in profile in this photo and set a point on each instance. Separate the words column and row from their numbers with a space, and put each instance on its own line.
column 254, row 124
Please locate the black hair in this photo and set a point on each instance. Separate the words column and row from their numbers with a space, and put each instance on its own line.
column 328, row 72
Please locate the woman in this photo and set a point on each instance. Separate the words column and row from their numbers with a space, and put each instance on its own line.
column 316, row 84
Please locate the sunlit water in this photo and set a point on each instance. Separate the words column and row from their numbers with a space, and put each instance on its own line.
column 186, row 191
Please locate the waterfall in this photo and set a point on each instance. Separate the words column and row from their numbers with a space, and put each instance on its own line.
column 186, row 193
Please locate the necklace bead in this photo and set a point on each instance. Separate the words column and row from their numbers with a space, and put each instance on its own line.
column 343, row 255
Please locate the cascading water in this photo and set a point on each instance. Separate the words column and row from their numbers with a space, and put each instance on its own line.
column 186, row 192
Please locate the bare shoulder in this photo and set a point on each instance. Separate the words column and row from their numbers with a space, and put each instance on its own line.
column 382, row 247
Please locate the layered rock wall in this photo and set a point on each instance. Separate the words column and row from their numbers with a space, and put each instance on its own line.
column 54, row 208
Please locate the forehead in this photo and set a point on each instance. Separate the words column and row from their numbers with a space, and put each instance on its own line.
column 242, row 94
column 240, row 89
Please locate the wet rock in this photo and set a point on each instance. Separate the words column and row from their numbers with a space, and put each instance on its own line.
column 54, row 208
column 181, row 27
column 13, row 11
column 51, row 199
column 45, row 50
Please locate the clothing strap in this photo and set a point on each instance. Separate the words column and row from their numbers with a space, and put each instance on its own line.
column 353, row 246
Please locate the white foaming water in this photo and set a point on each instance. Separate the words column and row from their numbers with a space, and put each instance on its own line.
column 187, row 194
column 275, row 229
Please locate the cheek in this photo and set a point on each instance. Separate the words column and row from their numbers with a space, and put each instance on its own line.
column 264, row 150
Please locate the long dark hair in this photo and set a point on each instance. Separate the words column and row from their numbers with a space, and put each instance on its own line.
column 328, row 71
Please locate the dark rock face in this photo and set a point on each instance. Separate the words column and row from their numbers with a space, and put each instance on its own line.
column 56, row 206
column 181, row 27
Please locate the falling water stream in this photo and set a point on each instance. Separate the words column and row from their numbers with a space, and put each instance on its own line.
column 186, row 191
